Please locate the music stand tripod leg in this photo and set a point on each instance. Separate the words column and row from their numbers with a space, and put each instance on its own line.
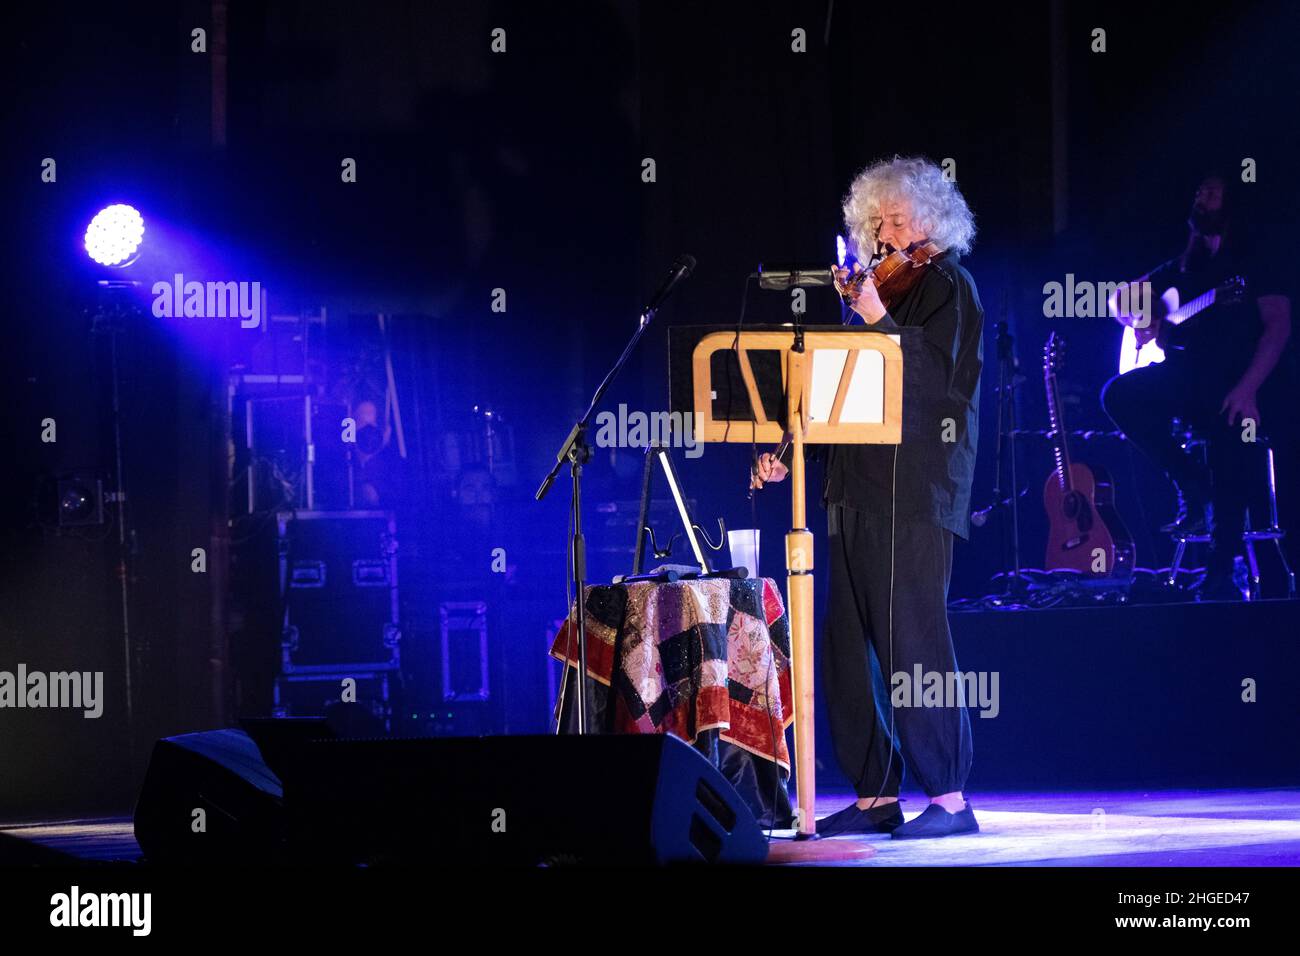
column 799, row 585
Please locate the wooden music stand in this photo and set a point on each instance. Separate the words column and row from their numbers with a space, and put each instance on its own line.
column 841, row 386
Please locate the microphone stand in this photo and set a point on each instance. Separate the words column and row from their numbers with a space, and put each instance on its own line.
column 577, row 453
column 114, row 308
column 1007, row 365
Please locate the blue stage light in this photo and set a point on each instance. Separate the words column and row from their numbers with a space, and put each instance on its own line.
column 840, row 250
column 113, row 237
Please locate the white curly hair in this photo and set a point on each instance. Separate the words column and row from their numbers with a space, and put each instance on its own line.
column 937, row 206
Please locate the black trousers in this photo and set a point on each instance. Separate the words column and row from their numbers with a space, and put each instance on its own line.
column 936, row 741
column 1142, row 403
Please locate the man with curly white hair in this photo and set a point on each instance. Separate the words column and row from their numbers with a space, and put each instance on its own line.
column 892, row 514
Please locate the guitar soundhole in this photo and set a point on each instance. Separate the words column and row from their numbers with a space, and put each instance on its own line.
column 1077, row 510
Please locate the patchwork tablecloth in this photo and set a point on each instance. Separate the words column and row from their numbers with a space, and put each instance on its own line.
column 693, row 656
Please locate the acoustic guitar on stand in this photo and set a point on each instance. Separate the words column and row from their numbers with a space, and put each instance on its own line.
column 1085, row 532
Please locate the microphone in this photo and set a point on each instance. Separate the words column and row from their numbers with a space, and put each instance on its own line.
column 782, row 276
column 681, row 269
column 980, row 518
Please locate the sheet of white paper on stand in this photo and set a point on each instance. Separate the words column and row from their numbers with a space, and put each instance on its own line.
column 864, row 403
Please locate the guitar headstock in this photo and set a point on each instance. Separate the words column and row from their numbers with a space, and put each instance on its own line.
column 1231, row 291
column 1053, row 354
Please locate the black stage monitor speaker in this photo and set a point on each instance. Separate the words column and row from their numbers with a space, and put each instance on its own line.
column 209, row 798
column 613, row 799
column 521, row 800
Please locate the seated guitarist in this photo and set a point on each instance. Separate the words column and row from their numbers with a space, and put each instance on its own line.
column 1215, row 366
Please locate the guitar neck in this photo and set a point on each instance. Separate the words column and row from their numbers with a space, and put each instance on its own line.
column 1185, row 312
column 1060, row 446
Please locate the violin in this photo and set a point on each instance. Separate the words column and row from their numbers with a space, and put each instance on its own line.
column 895, row 275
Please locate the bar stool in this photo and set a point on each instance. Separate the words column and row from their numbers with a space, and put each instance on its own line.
column 1192, row 443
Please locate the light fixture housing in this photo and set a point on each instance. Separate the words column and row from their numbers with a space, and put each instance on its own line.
column 115, row 235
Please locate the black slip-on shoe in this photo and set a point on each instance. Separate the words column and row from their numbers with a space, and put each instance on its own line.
column 938, row 822
column 881, row 819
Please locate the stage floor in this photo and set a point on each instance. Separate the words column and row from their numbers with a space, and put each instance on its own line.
column 1096, row 828
column 1105, row 828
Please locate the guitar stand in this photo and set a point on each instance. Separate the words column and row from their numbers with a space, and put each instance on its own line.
column 653, row 454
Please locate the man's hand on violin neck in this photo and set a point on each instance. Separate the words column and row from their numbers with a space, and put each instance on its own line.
column 842, row 275
column 864, row 299
column 769, row 468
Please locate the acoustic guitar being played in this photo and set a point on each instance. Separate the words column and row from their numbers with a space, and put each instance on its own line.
column 1138, row 351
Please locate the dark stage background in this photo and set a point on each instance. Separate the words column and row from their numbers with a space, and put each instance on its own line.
column 522, row 171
